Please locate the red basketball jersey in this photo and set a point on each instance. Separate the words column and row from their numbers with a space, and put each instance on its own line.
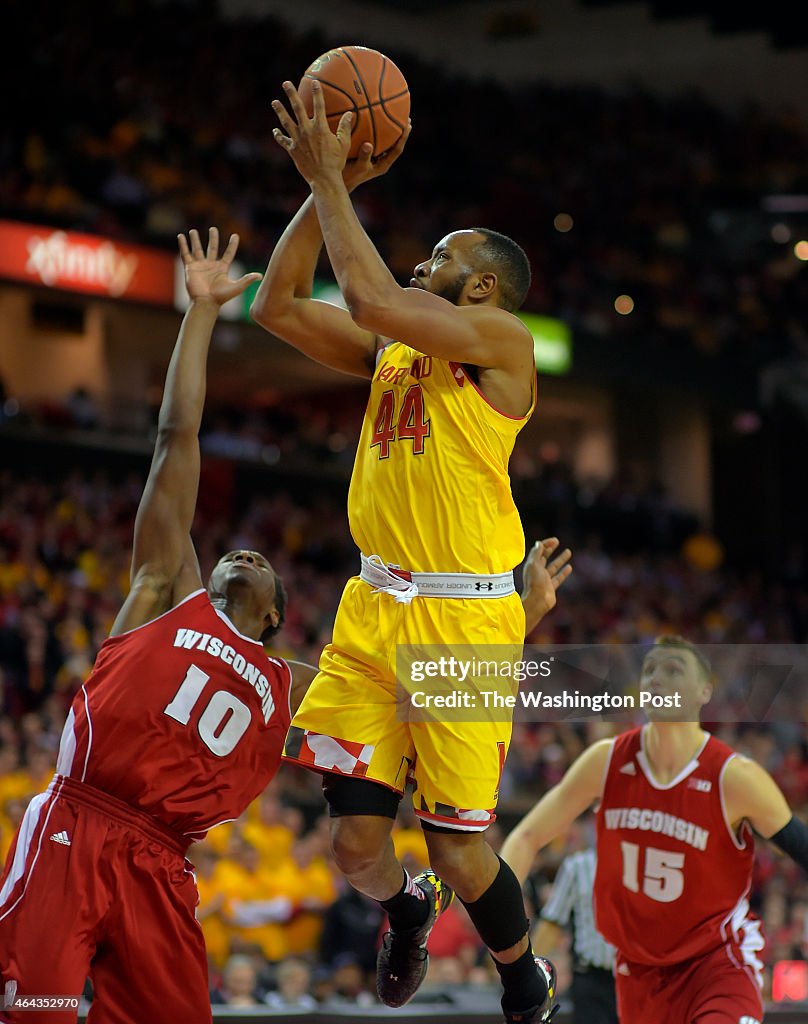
column 182, row 718
column 672, row 879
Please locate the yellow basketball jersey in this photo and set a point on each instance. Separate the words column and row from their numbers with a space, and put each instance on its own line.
column 430, row 489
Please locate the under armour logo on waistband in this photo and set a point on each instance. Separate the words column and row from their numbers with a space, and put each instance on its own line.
column 484, row 586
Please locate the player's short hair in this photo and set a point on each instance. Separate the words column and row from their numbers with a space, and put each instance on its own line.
column 509, row 262
column 280, row 607
column 671, row 640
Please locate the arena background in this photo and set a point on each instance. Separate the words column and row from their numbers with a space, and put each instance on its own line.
column 655, row 168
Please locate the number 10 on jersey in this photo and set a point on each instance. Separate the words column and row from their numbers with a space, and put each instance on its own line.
column 407, row 423
column 224, row 719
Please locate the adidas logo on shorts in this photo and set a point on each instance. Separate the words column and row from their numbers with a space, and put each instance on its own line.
column 9, row 994
column 61, row 837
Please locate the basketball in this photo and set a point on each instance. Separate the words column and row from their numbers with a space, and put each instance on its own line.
column 366, row 82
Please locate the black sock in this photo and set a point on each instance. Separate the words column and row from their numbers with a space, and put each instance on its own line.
column 407, row 909
column 524, row 986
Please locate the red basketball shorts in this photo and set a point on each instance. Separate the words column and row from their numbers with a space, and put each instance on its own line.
column 718, row 988
column 93, row 887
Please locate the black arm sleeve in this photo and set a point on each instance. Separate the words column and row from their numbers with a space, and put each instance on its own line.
column 793, row 840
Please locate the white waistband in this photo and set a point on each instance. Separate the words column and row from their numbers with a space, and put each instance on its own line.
column 404, row 586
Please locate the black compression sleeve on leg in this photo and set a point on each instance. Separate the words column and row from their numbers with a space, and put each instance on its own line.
column 499, row 914
column 793, row 840
column 347, row 796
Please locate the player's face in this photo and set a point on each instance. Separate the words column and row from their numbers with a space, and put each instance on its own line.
column 244, row 569
column 671, row 673
column 447, row 272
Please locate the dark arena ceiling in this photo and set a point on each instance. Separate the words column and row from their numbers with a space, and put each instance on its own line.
column 781, row 20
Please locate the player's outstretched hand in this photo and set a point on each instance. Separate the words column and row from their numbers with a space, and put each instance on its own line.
column 543, row 574
column 206, row 273
column 309, row 141
column 365, row 168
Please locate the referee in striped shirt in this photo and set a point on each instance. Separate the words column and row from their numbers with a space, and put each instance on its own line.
column 570, row 905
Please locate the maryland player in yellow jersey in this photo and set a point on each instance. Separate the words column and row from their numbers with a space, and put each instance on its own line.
column 437, row 503
column 431, row 510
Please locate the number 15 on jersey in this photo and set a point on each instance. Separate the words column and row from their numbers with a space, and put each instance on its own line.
column 663, row 877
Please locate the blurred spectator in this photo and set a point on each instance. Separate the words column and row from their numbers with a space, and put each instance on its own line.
column 83, row 409
column 408, row 840
column 239, row 986
column 312, row 893
column 349, row 983
column 256, row 904
column 454, row 937
column 293, row 983
column 266, row 830
column 352, row 928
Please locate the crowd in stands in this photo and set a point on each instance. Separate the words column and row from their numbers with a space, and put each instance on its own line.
column 281, row 926
column 661, row 197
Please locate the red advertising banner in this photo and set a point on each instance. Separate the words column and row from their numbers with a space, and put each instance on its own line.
column 85, row 263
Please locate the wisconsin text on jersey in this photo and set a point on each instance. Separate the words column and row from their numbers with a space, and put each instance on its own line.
column 192, row 640
column 657, row 821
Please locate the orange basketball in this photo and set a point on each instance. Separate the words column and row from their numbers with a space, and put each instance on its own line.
column 366, row 82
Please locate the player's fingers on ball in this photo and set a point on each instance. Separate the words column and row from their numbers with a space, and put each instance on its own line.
column 345, row 125
column 213, row 243
column 287, row 123
column 296, row 103
column 281, row 139
column 318, row 101
column 395, row 151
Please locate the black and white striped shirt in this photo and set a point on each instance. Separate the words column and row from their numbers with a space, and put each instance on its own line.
column 571, row 902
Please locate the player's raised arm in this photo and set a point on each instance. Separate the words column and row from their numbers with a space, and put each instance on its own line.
column 557, row 809
column 164, row 567
column 477, row 331
column 284, row 303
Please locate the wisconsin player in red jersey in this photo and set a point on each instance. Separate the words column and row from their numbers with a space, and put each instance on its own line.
column 178, row 728
column 675, row 851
